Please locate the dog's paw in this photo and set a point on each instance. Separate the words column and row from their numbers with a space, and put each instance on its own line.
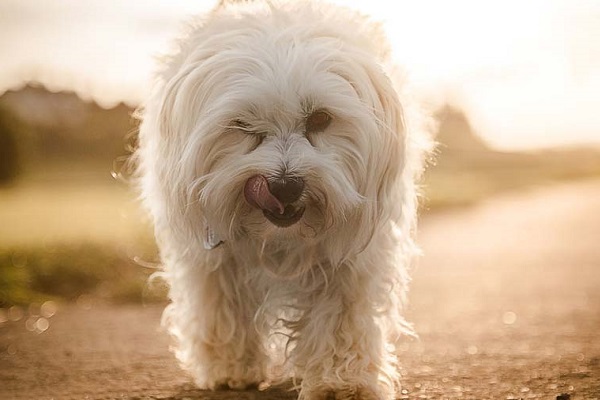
column 345, row 393
column 231, row 378
column 213, row 373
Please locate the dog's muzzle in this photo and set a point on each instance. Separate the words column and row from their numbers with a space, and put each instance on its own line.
column 275, row 198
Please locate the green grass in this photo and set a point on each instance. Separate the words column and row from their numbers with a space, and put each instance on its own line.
column 72, row 232
column 66, row 272
column 462, row 179
column 73, row 204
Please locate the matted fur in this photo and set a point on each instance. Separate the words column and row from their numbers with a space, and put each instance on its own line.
column 320, row 300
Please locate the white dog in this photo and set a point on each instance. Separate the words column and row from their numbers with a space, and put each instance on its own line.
column 277, row 161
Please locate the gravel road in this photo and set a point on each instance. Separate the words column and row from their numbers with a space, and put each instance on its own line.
column 506, row 301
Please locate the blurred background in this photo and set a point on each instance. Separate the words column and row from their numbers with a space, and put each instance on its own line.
column 515, row 85
column 507, row 296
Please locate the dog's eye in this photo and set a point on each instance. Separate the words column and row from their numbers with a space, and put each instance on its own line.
column 239, row 124
column 318, row 121
column 249, row 130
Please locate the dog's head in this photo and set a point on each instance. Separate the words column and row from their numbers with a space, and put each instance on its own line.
column 277, row 124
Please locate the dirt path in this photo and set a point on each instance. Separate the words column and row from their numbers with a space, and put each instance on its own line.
column 506, row 302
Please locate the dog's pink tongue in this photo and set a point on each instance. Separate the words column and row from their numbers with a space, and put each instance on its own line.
column 258, row 195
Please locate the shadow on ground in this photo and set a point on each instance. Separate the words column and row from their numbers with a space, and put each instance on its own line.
column 279, row 392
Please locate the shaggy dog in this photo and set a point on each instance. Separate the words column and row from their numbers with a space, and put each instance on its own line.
column 277, row 160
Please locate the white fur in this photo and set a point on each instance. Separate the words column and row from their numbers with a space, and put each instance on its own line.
column 322, row 298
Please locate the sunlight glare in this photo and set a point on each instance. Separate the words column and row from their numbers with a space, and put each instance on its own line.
column 527, row 73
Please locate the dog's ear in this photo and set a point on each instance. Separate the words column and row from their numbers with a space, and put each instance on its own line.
column 392, row 146
column 387, row 152
column 403, row 141
column 385, row 185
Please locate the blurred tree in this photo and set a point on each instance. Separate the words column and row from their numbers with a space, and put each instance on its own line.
column 63, row 128
column 456, row 133
column 9, row 146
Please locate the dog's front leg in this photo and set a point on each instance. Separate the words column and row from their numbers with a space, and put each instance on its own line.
column 212, row 316
column 340, row 349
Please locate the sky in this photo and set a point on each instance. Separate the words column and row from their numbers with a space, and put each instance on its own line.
column 526, row 72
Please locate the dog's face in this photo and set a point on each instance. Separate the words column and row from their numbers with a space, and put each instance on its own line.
column 279, row 133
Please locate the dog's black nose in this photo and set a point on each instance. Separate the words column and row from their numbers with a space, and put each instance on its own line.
column 287, row 189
